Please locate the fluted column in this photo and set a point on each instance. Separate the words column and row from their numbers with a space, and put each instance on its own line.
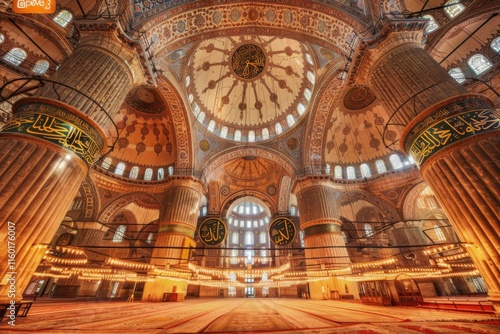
column 319, row 220
column 88, row 233
column 454, row 138
column 176, row 231
column 324, row 244
column 49, row 145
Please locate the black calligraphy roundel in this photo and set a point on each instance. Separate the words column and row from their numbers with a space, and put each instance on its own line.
column 248, row 61
column 212, row 231
column 282, row 231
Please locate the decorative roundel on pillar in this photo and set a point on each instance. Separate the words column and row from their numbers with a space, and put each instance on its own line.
column 212, row 231
column 282, row 231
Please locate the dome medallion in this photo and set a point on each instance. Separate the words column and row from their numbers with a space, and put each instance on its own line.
column 249, row 88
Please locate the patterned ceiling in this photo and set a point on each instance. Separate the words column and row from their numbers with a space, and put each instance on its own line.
column 255, row 84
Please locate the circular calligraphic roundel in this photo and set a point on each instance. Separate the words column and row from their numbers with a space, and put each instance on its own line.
column 212, row 231
column 248, row 61
column 282, row 231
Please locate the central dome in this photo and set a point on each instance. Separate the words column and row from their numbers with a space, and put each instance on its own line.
column 249, row 88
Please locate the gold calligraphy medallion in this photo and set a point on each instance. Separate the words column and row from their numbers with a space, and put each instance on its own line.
column 212, row 231
column 282, row 231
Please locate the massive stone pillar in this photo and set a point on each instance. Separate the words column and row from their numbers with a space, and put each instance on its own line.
column 177, row 227
column 47, row 148
column 454, row 138
column 320, row 223
column 88, row 233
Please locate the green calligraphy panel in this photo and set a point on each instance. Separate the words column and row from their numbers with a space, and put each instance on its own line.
column 450, row 130
column 59, row 127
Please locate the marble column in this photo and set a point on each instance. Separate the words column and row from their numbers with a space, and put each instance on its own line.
column 319, row 220
column 453, row 137
column 177, row 227
column 47, row 148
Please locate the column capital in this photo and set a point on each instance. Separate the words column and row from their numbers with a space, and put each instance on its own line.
column 393, row 33
column 314, row 182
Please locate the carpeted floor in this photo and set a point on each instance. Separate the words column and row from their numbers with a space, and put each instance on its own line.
column 245, row 316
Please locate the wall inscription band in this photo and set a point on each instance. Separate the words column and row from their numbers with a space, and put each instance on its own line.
column 321, row 229
column 59, row 127
column 212, row 231
column 282, row 231
column 451, row 128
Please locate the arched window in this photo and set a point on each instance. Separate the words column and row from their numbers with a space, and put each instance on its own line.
column 15, row 56
column 351, row 173
column 365, row 170
column 292, row 210
column 278, row 128
column 395, row 161
column 439, row 233
column 290, row 120
column 2, row 38
column 337, row 172
column 237, row 135
column 368, row 230
column 234, row 256
column 119, row 233
column 249, row 240
column 264, row 260
column 301, row 109
column 170, row 170
column 380, row 165
column 224, row 131
column 457, row 74
column 479, row 63
column 495, row 44
column 453, row 8
column 307, row 94
column 251, row 136
column 148, row 174
column 134, row 172
column 201, row 117
column 327, row 169
column 196, row 109
column 262, row 237
column 63, row 18
column 120, row 168
column 41, row 66
column 161, row 173
column 211, row 126
column 432, row 25
column 265, row 134
column 106, row 163
column 235, row 238
column 150, row 238
column 311, row 77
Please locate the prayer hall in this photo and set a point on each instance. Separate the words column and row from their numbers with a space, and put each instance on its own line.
column 214, row 166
